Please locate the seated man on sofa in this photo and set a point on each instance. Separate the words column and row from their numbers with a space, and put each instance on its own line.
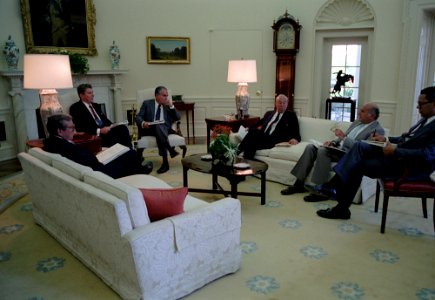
column 279, row 125
column 413, row 150
column 61, row 131
column 361, row 129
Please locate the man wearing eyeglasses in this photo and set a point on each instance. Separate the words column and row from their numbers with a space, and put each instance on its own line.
column 413, row 150
column 61, row 131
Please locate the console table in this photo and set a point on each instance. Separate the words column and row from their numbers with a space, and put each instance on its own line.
column 234, row 124
column 186, row 106
column 345, row 106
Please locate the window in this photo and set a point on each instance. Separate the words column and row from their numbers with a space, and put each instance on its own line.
column 345, row 69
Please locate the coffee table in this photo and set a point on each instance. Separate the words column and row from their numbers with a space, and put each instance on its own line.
column 232, row 174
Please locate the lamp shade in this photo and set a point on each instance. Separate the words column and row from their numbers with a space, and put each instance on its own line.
column 242, row 71
column 47, row 71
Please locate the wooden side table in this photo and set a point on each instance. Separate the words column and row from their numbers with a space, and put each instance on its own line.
column 186, row 106
column 234, row 124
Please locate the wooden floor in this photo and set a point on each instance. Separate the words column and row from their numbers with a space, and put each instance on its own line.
column 12, row 166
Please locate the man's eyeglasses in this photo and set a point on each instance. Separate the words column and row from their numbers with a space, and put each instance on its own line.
column 73, row 127
column 420, row 104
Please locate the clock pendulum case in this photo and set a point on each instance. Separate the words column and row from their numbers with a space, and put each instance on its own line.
column 286, row 34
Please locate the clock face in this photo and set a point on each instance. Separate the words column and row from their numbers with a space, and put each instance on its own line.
column 285, row 37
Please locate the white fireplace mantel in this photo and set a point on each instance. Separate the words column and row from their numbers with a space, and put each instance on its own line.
column 19, row 115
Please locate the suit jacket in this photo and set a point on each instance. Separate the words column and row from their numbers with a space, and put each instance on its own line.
column 286, row 129
column 84, row 120
column 147, row 113
column 363, row 135
column 419, row 149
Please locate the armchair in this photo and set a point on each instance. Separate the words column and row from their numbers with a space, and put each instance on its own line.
column 147, row 142
column 403, row 187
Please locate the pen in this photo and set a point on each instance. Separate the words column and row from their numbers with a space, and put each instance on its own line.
column 374, row 133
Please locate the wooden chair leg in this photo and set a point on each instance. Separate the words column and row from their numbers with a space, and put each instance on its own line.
column 384, row 212
column 378, row 191
column 184, row 148
column 424, row 206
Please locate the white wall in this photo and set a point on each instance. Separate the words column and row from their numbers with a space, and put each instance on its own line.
column 245, row 28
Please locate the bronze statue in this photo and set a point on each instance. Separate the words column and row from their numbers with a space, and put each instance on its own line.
column 342, row 78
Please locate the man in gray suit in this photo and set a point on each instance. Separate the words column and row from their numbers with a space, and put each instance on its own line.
column 159, row 109
column 361, row 129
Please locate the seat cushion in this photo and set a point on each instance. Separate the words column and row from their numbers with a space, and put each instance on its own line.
column 150, row 141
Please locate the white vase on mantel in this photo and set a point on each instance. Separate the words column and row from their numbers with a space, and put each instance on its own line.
column 115, row 56
column 12, row 54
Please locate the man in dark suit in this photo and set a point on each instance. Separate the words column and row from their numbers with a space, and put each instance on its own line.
column 61, row 132
column 414, row 150
column 89, row 118
column 361, row 129
column 279, row 125
column 161, row 109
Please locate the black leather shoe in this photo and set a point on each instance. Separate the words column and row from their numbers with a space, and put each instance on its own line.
column 291, row 189
column 334, row 213
column 315, row 198
column 147, row 167
column 164, row 168
column 173, row 154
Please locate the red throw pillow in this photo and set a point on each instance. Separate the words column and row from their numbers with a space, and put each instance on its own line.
column 163, row 203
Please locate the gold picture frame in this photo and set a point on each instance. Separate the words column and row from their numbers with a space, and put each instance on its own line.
column 50, row 26
column 168, row 50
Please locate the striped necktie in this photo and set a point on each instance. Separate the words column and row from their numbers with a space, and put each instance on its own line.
column 269, row 128
column 96, row 117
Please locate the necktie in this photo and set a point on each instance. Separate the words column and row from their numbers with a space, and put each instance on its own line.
column 159, row 109
column 417, row 127
column 95, row 115
column 269, row 128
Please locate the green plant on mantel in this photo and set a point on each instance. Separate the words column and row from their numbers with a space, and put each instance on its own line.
column 79, row 63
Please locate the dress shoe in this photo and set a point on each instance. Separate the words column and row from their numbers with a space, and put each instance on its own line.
column 293, row 189
column 173, row 153
column 147, row 167
column 334, row 213
column 315, row 198
column 163, row 168
column 321, row 190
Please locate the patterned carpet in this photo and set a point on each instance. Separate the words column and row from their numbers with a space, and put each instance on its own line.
column 288, row 252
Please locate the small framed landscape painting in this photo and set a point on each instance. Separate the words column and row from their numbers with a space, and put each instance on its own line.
column 168, row 50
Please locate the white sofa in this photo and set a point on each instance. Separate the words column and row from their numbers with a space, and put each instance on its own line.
column 104, row 223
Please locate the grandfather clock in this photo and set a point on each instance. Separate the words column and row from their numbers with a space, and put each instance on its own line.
column 286, row 33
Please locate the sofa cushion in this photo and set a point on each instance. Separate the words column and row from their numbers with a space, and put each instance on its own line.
column 70, row 167
column 130, row 195
column 163, row 203
column 40, row 154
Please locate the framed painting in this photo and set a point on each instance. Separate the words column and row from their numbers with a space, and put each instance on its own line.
column 51, row 26
column 168, row 50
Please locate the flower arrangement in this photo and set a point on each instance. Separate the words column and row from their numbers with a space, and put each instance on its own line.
column 221, row 148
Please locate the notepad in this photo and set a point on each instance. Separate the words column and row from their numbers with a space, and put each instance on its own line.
column 111, row 153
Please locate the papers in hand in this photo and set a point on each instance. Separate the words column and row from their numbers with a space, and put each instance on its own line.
column 283, row 144
column 316, row 143
column 119, row 123
column 375, row 143
column 156, row 122
column 242, row 132
column 111, row 153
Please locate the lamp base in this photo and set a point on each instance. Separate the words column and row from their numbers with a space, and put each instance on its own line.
column 242, row 100
column 49, row 106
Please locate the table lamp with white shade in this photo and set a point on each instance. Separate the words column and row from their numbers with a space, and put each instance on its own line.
column 242, row 72
column 47, row 72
